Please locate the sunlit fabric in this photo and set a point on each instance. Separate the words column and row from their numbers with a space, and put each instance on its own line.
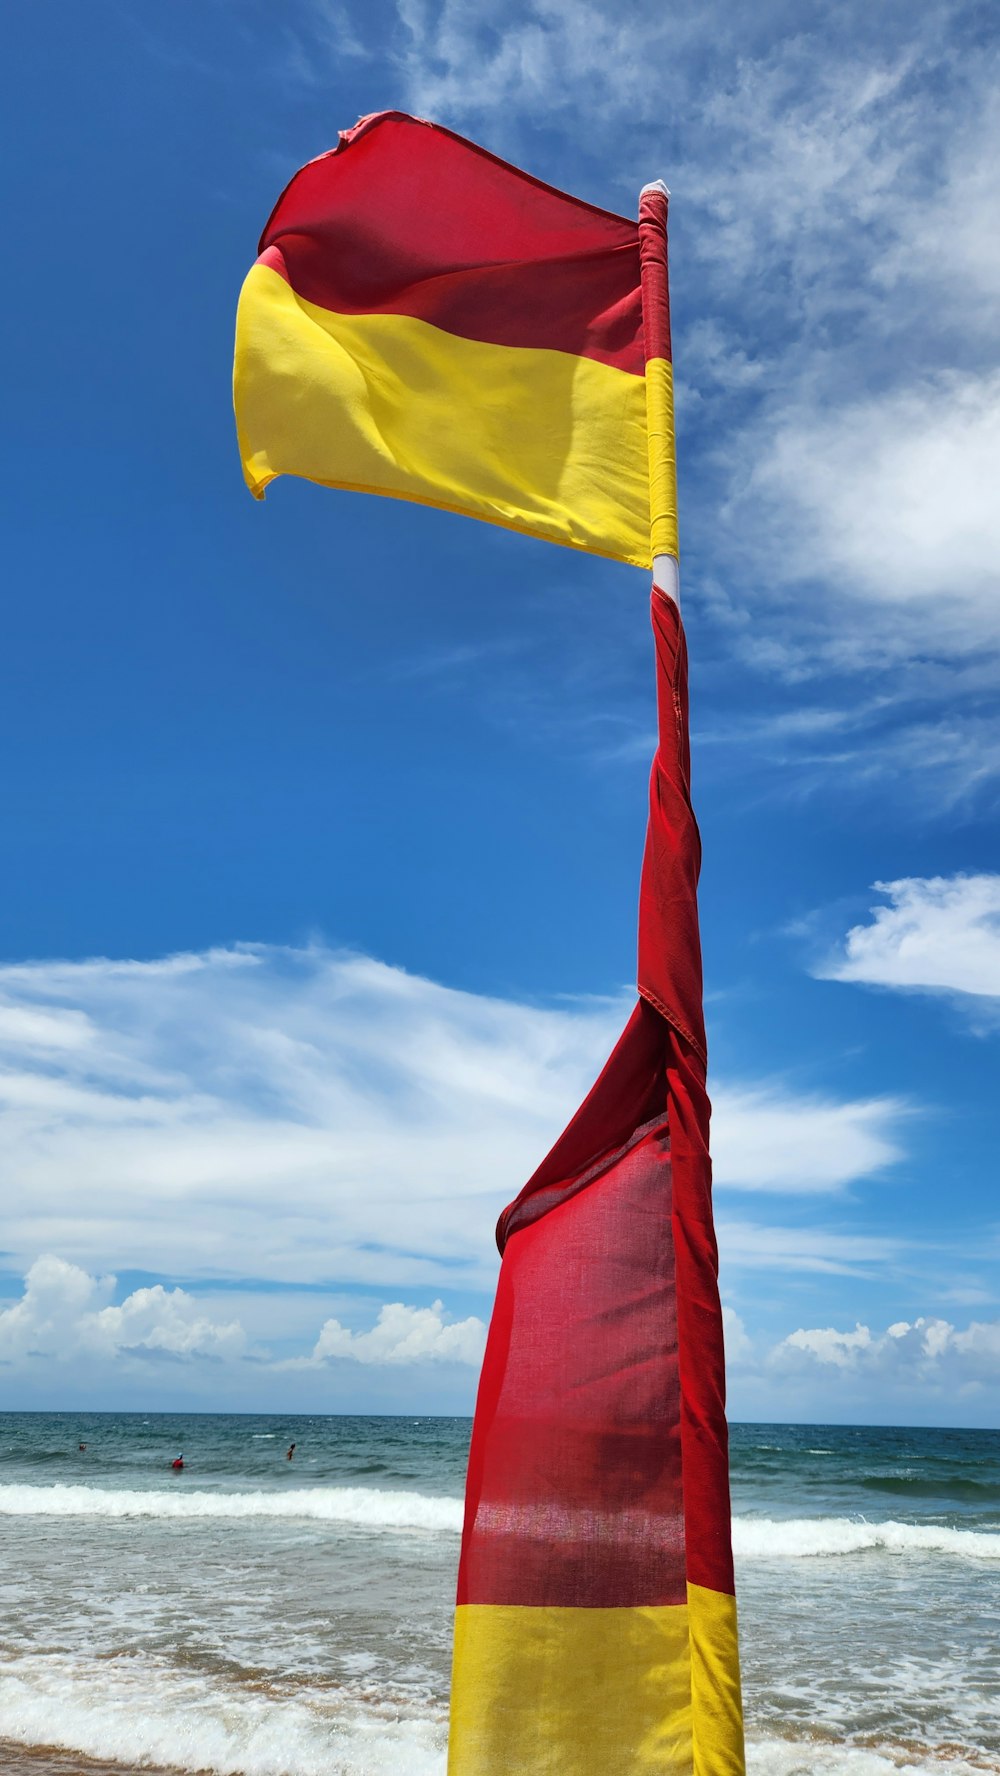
column 596, row 1623
column 428, row 322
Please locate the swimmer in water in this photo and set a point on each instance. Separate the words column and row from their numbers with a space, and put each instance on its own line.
column 291, row 1452
column 177, row 1463
column 81, row 1447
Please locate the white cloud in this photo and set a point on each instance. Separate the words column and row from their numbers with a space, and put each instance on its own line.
column 64, row 1313
column 739, row 1347
column 461, row 63
column 958, row 212
column 955, row 756
column 856, row 471
column 939, row 934
column 405, row 1335
column 67, row 1314
column 829, row 1346
column 770, row 1140
column 27, row 1028
column 893, row 499
column 870, row 745
column 928, row 1352
column 303, row 1116
column 753, row 1245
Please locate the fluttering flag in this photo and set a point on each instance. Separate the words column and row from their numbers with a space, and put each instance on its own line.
column 428, row 322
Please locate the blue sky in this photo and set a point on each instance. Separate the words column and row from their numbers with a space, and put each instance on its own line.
column 323, row 819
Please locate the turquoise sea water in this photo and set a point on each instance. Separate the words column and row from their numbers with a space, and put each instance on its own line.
column 271, row 1618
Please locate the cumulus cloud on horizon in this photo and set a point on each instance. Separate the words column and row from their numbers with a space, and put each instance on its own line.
column 405, row 1335
column 927, row 1352
column 65, row 1314
column 65, row 1321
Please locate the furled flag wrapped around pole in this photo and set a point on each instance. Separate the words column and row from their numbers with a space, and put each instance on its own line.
column 428, row 322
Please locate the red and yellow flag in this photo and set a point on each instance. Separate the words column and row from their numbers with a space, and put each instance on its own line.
column 596, row 1621
column 428, row 322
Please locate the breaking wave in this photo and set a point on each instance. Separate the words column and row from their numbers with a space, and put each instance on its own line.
column 367, row 1507
column 804, row 1538
column 138, row 1713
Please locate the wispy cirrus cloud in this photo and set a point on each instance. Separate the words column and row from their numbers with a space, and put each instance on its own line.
column 817, row 1250
column 891, row 499
column 307, row 1116
column 872, row 746
column 832, row 189
column 770, row 1139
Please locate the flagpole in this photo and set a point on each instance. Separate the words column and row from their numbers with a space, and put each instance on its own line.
column 653, row 201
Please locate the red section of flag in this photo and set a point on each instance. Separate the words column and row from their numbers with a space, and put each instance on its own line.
column 653, row 262
column 608, row 1303
column 405, row 218
column 669, row 970
column 574, row 1489
column 670, row 979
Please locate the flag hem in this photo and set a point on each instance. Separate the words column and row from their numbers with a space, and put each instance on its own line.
column 364, row 126
column 259, row 486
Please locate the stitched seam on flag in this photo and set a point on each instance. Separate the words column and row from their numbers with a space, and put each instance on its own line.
column 673, row 1021
column 542, row 536
column 521, row 1219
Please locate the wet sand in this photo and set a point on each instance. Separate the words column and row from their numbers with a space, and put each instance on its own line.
column 45, row 1760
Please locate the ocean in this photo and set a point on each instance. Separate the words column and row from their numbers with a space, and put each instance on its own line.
column 252, row 1616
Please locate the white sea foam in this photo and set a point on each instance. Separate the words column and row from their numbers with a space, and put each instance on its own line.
column 754, row 1538
column 364, row 1506
column 136, row 1711
column 783, row 1757
column 803, row 1538
column 139, row 1711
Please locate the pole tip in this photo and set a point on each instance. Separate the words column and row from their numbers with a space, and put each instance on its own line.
column 655, row 185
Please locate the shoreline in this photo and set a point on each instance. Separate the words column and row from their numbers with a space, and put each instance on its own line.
column 17, row 1759
column 833, row 1757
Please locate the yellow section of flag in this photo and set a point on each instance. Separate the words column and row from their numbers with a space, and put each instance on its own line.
column 536, row 440
column 568, row 1692
column 662, row 457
